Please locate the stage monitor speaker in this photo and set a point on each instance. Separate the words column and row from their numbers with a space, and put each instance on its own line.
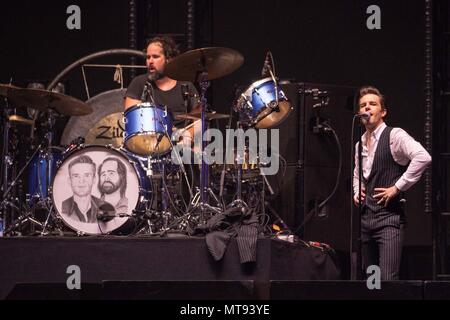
column 178, row 290
column 345, row 290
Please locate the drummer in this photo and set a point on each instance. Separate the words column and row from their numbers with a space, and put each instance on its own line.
column 162, row 90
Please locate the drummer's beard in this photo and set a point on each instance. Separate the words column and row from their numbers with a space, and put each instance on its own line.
column 155, row 75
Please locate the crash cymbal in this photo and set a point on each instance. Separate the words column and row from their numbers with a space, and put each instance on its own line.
column 6, row 89
column 43, row 100
column 216, row 61
column 19, row 119
column 198, row 115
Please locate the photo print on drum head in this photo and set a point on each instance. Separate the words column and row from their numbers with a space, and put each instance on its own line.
column 92, row 183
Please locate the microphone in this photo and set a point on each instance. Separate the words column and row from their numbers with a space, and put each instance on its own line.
column 266, row 66
column 146, row 92
column 365, row 115
column 186, row 95
column 106, row 212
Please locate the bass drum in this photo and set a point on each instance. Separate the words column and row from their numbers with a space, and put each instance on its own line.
column 99, row 190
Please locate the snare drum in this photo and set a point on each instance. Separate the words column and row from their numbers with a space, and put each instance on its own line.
column 262, row 105
column 99, row 190
column 148, row 129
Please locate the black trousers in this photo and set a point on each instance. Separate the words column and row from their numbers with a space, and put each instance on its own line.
column 382, row 235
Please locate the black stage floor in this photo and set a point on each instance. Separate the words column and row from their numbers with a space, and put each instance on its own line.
column 180, row 268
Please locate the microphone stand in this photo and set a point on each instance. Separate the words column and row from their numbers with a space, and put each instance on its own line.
column 356, row 259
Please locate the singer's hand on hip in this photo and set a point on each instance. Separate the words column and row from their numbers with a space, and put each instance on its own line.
column 384, row 195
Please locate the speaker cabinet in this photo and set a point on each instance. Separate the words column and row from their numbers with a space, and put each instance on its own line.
column 322, row 115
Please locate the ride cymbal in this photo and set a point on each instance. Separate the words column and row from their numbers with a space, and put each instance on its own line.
column 215, row 61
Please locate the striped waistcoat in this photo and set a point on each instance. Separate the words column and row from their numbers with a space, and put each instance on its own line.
column 385, row 172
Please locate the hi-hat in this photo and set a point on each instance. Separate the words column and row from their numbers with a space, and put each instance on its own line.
column 197, row 115
column 216, row 61
column 43, row 100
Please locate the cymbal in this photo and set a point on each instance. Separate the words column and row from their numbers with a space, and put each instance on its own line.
column 20, row 119
column 198, row 115
column 216, row 61
column 43, row 100
column 6, row 89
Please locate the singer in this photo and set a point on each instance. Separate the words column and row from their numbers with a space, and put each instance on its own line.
column 392, row 162
column 156, row 86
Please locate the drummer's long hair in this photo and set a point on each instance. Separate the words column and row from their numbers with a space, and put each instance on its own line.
column 168, row 44
column 121, row 171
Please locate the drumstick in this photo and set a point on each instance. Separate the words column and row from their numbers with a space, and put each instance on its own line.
column 190, row 125
column 179, row 132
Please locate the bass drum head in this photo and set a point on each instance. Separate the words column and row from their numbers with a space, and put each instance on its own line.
column 71, row 192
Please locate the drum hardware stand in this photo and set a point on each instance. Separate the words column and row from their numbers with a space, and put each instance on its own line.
column 148, row 212
column 205, row 191
column 224, row 169
column 239, row 202
column 148, row 227
column 49, row 157
column 179, row 160
column 7, row 163
column 28, row 216
column 19, row 221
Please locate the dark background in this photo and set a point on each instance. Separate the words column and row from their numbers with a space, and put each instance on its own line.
column 322, row 42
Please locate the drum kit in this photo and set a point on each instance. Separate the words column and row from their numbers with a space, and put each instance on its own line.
column 136, row 188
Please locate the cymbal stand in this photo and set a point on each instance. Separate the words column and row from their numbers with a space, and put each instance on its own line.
column 7, row 163
column 49, row 176
column 204, row 171
column 205, row 191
